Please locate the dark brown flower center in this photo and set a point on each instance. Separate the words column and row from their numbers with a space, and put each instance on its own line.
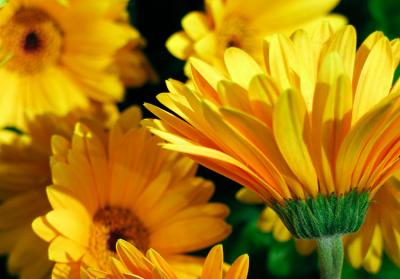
column 31, row 42
column 111, row 224
column 32, row 39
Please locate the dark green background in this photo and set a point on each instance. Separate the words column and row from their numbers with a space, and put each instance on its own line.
column 156, row 20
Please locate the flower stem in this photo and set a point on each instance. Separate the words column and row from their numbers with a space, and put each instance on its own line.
column 330, row 251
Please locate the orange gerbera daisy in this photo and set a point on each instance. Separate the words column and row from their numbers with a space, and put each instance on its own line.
column 121, row 184
column 314, row 134
column 59, row 57
column 132, row 263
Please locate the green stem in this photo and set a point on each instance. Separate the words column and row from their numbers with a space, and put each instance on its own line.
column 330, row 251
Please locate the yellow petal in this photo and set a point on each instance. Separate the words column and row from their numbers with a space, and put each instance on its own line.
column 291, row 124
column 133, row 259
column 232, row 95
column 160, row 263
column 331, row 116
column 396, row 52
column 354, row 143
column 213, row 265
column 344, row 43
column 242, row 148
column 241, row 67
column 70, row 225
column 60, row 199
column 239, row 268
column 247, row 196
column 211, row 76
column 375, row 78
column 206, row 47
column 43, row 229
column 64, row 250
column 263, row 94
column 192, row 234
column 180, row 45
column 195, row 24
column 280, row 56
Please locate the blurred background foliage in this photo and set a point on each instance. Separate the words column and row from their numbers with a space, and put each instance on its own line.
column 157, row 20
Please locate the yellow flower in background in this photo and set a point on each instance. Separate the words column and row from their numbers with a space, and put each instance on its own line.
column 130, row 62
column 132, row 263
column 133, row 66
column 121, row 184
column 24, row 174
column 315, row 130
column 60, row 57
column 380, row 232
column 234, row 23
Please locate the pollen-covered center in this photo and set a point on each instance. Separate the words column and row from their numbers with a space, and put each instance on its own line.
column 32, row 39
column 111, row 224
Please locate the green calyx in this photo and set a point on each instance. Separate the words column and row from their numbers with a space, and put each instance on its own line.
column 324, row 216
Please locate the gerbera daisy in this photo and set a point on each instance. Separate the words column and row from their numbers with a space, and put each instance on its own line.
column 314, row 134
column 234, row 23
column 132, row 263
column 24, row 174
column 60, row 57
column 121, row 184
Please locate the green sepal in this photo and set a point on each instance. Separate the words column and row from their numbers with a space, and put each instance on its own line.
column 324, row 215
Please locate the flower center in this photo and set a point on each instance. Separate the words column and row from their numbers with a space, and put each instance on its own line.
column 33, row 39
column 234, row 33
column 32, row 42
column 111, row 224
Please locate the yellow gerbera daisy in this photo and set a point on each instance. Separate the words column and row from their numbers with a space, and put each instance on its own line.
column 24, row 174
column 60, row 57
column 234, row 23
column 132, row 263
column 121, row 184
column 314, row 134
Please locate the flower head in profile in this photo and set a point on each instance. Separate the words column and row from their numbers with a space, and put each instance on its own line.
column 313, row 133
column 60, row 57
column 24, row 175
column 121, row 185
column 132, row 263
column 234, row 23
